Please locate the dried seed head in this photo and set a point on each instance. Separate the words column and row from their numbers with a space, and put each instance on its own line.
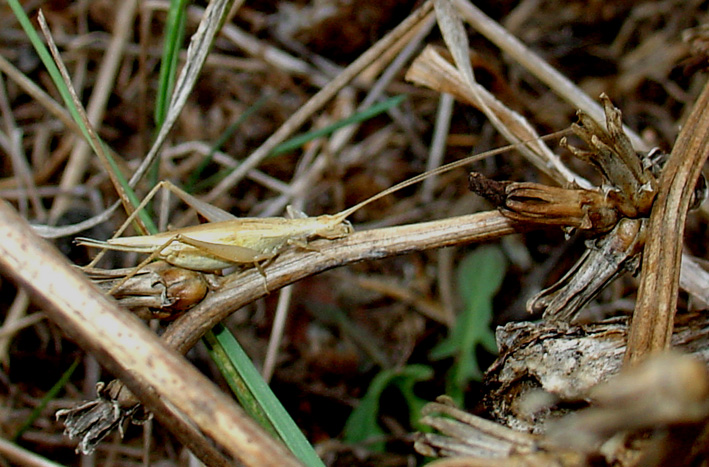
column 612, row 154
column 184, row 288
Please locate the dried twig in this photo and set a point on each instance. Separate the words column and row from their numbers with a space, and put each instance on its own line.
column 239, row 290
column 13, row 453
column 105, row 81
column 431, row 69
column 536, row 65
column 652, row 324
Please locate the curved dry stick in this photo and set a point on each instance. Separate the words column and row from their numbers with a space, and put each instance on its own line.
column 238, row 290
column 653, row 318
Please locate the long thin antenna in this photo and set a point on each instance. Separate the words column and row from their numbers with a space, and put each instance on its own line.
column 445, row 168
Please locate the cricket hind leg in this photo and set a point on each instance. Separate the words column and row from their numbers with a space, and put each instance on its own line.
column 235, row 254
column 226, row 253
column 208, row 211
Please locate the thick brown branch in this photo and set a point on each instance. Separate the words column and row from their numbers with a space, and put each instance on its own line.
column 169, row 386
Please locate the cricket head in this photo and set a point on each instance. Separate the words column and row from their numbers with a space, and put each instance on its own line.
column 332, row 227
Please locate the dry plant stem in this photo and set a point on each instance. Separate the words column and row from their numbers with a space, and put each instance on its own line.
column 275, row 339
column 196, row 55
column 432, row 70
column 36, row 93
column 403, row 293
column 319, row 100
column 263, row 50
column 535, row 65
column 164, row 382
column 91, row 133
column 238, row 290
column 11, row 142
column 19, row 456
column 197, row 51
column 438, row 142
column 693, row 279
column 655, row 308
column 107, row 74
column 16, row 313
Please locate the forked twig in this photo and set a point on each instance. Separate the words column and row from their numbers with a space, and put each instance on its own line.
column 237, row 290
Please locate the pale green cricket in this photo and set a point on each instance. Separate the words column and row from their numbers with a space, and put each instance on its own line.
column 227, row 240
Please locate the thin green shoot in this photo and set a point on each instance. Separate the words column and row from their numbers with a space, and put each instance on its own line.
column 278, row 417
column 362, row 425
column 96, row 144
column 231, row 373
column 358, row 117
column 175, row 34
column 480, row 276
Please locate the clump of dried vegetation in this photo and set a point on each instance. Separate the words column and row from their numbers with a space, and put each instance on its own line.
column 356, row 333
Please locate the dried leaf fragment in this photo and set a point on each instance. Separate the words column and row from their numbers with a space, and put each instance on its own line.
column 535, row 203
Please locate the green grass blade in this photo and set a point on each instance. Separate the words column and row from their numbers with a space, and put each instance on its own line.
column 281, row 421
column 75, row 112
column 175, row 34
column 237, row 384
column 358, row 117
column 48, row 62
column 175, row 27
